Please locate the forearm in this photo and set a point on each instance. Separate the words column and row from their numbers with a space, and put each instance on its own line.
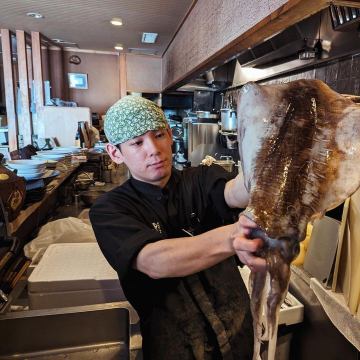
column 235, row 193
column 184, row 256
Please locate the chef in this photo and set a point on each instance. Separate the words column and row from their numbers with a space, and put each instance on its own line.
column 175, row 240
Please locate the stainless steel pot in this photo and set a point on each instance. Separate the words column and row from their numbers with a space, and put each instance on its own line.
column 206, row 115
column 228, row 120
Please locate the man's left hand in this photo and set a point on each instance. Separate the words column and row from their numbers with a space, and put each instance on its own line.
column 245, row 247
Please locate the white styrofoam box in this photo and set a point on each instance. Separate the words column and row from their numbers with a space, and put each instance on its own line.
column 72, row 274
column 291, row 311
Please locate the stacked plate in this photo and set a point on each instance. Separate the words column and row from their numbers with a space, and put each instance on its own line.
column 29, row 169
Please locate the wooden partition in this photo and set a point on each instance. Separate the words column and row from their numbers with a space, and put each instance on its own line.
column 38, row 86
column 123, row 82
column 9, row 89
column 24, row 116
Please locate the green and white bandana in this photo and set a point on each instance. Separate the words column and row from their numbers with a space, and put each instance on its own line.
column 132, row 116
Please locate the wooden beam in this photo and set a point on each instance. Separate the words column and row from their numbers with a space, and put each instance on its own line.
column 286, row 15
column 38, row 86
column 24, row 117
column 9, row 89
column 123, row 80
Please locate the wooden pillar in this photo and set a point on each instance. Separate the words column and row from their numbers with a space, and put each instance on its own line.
column 24, row 117
column 9, row 89
column 30, row 67
column 45, row 63
column 56, row 72
column 123, row 82
column 38, row 86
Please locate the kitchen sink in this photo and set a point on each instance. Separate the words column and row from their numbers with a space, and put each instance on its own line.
column 74, row 333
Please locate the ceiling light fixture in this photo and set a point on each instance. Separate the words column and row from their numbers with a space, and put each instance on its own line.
column 118, row 47
column 149, row 38
column 35, row 15
column 116, row 21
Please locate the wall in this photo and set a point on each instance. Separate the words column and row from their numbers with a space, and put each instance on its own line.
column 103, row 80
column 61, row 123
column 143, row 73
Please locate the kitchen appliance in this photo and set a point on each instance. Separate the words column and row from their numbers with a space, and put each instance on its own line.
column 207, row 116
column 200, row 134
column 179, row 147
column 228, row 120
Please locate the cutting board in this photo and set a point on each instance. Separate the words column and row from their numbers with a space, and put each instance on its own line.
column 347, row 274
column 320, row 255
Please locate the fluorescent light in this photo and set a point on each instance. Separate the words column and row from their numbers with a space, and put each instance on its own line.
column 116, row 21
column 35, row 15
column 149, row 38
column 118, row 47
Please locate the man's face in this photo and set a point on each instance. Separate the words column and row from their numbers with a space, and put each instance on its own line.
column 148, row 157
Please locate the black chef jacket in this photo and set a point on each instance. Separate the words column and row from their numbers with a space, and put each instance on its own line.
column 201, row 316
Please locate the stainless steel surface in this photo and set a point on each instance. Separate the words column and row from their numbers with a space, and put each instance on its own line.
column 83, row 332
column 201, row 133
column 206, row 115
column 280, row 54
column 228, row 120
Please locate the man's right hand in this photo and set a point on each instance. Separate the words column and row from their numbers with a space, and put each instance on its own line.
column 245, row 247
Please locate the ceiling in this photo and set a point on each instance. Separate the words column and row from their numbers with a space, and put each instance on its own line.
column 87, row 22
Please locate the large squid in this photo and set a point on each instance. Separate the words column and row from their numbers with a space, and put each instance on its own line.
column 299, row 146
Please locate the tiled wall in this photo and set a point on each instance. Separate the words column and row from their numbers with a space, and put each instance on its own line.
column 342, row 76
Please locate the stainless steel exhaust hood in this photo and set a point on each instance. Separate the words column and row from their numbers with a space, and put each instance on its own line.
column 315, row 39
column 213, row 80
column 317, row 31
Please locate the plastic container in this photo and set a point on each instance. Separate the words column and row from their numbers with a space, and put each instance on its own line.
column 73, row 274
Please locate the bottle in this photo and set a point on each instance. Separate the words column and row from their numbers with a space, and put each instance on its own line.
column 77, row 136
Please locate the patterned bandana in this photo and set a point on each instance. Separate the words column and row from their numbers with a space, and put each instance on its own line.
column 132, row 116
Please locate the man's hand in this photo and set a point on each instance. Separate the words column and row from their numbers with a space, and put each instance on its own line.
column 245, row 247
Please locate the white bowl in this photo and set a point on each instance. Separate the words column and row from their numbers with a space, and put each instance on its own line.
column 53, row 152
column 31, row 172
column 25, row 164
column 69, row 149
column 49, row 155
column 33, row 176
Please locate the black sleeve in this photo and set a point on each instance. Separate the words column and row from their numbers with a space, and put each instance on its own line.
column 120, row 235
